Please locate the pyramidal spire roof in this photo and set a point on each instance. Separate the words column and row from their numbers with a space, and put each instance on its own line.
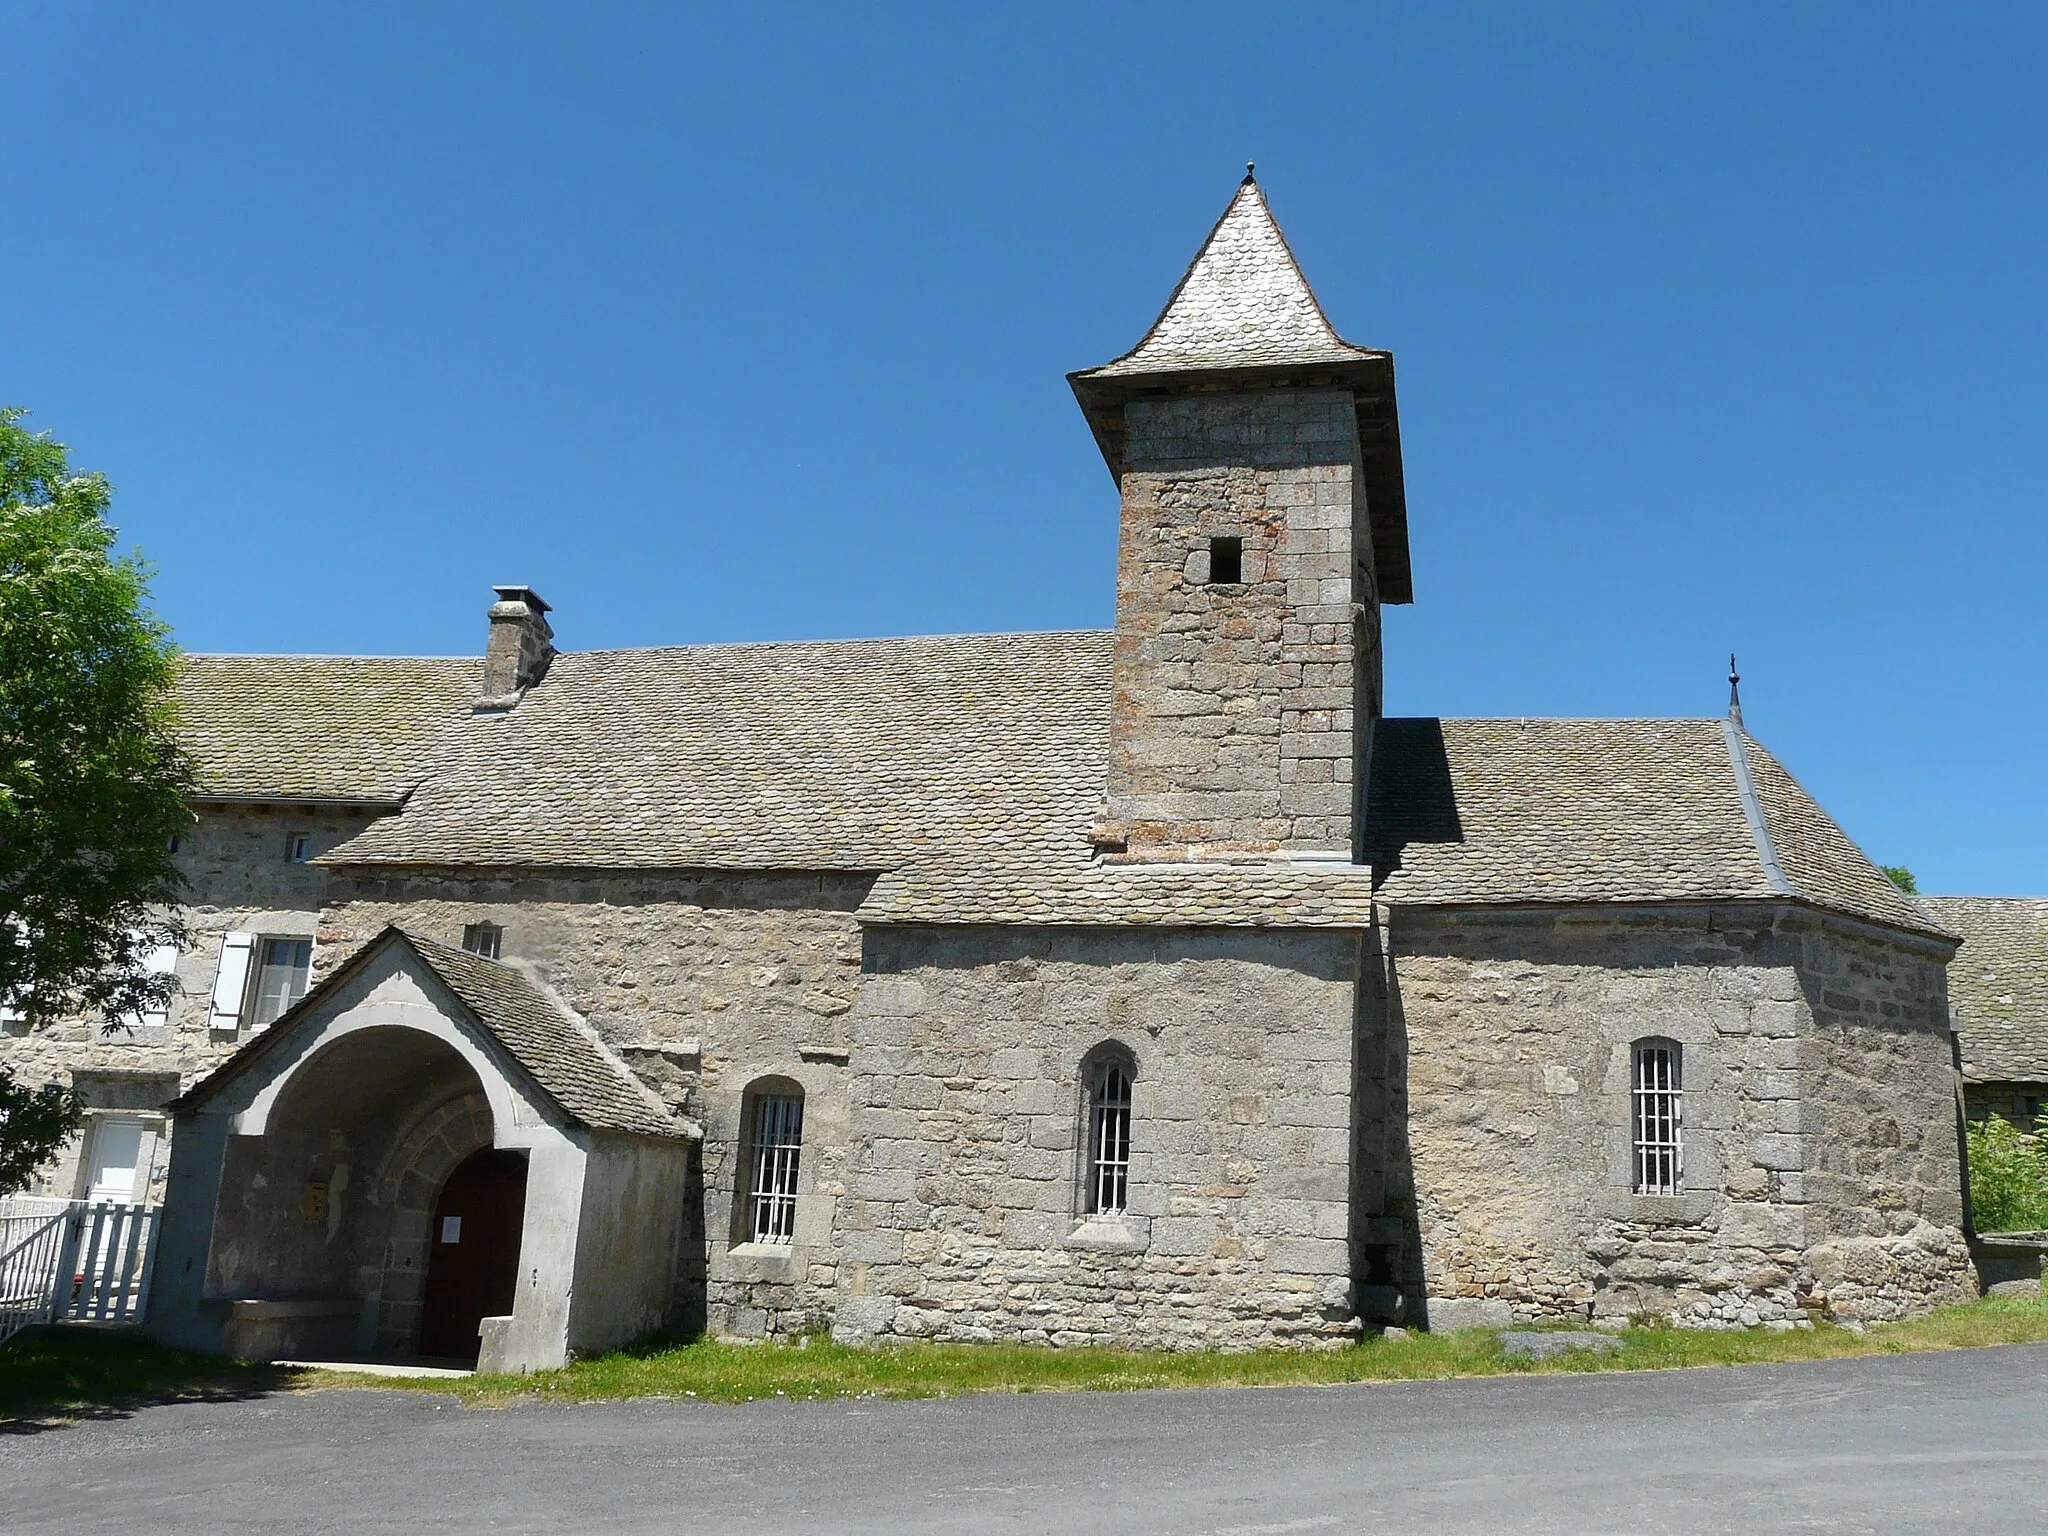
column 1243, row 303
column 1243, row 317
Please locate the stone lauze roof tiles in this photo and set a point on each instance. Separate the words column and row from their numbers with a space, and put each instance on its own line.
column 966, row 772
column 1243, row 303
column 319, row 727
column 1998, row 984
column 565, row 1059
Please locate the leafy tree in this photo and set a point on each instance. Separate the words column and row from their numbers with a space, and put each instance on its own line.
column 34, row 1123
column 93, row 781
column 2008, row 1177
column 1902, row 877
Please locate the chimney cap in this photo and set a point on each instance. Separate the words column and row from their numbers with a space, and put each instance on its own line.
column 521, row 594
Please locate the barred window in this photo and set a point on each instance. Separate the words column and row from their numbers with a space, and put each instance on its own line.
column 778, row 1133
column 1109, row 1140
column 1659, row 1113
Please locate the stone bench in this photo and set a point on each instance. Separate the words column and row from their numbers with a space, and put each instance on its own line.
column 2009, row 1263
column 318, row 1327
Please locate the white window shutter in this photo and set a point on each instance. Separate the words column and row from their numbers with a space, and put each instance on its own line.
column 158, row 960
column 231, row 981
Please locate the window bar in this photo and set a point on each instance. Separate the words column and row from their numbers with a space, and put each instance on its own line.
column 1658, row 1116
column 1110, row 1143
column 778, row 1142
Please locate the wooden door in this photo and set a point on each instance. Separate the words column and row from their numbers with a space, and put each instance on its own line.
column 473, row 1251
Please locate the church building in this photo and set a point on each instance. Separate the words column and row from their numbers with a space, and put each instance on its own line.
column 1145, row 986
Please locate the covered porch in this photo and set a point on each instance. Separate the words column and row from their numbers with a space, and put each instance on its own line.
column 427, row 1157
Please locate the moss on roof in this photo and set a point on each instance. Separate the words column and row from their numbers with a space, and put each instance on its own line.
column 320, row 727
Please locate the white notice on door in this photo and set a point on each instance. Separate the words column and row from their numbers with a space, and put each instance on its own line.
column 451, row 1229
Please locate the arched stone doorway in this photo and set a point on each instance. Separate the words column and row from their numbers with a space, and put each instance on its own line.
column 473, row 1252
column 417, row 1082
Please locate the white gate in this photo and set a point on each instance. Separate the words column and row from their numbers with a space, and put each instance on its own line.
column 107, row 1262
column 86, row 1261
column 31, row 1251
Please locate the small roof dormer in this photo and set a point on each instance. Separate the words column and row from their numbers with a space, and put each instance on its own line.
column 1244, row 317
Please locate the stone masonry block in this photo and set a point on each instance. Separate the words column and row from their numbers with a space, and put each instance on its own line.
column 1308, row 1256
column 1778, row 1152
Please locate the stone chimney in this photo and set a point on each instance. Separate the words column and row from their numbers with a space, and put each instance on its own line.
column 520, row 646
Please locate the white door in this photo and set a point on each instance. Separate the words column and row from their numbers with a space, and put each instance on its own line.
column 116, row 1154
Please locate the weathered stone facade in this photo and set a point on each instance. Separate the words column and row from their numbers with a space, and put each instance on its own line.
column 1820, row 1168
column 1237, row 702
column 238, row 866
column 1373, row 990
column 708, row 984
column 962, row 1216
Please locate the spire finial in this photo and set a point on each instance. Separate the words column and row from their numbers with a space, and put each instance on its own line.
column 1734, row 692
column 1250, row 167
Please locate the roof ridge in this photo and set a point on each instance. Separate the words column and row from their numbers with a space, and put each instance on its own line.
column 437, row 955
column 318, row 656
column 2039, row 901
column 1753, row 809
column 844, row 640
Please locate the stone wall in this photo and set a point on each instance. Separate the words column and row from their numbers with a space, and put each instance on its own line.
column 706, row 984
column 963, row 1217
column 1880, row 1173
column 1517, row 1032
column 240, row 880
column 1235, row 703
column 2023, row 1104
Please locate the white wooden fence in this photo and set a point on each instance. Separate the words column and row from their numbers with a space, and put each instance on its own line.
column 74, row 1260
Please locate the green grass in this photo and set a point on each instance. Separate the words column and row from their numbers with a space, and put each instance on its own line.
column 816, row 1368
column 53, row 1376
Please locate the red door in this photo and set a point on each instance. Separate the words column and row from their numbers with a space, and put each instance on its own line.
column 473, row 1251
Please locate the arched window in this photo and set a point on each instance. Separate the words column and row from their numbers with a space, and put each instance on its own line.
column 1659, row 1104
column 1109, row 1139
column 775, row 1136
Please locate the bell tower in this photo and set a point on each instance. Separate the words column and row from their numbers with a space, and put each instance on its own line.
column 1258, row 456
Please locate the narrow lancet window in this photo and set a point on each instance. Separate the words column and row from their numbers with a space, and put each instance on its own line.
column 777, row 1145
column 1109, row 1140
column 1659, row 1114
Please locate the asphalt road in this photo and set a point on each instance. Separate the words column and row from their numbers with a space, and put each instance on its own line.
column 1941, row 1442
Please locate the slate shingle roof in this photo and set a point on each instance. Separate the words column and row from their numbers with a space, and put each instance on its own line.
column 1998, row 984
column 856, row 755
column 1075, row 892
column 1242, row 303
column 1820, row 861
column 319, row 727
column 1500, row 811
column 966, row 771
column 1244, row 316
column 562, row 1055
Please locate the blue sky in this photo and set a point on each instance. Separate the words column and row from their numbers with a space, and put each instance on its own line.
column 1717, row 329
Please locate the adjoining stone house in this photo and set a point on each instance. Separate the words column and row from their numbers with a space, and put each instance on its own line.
column 1998, row 996
column 1143, row 985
